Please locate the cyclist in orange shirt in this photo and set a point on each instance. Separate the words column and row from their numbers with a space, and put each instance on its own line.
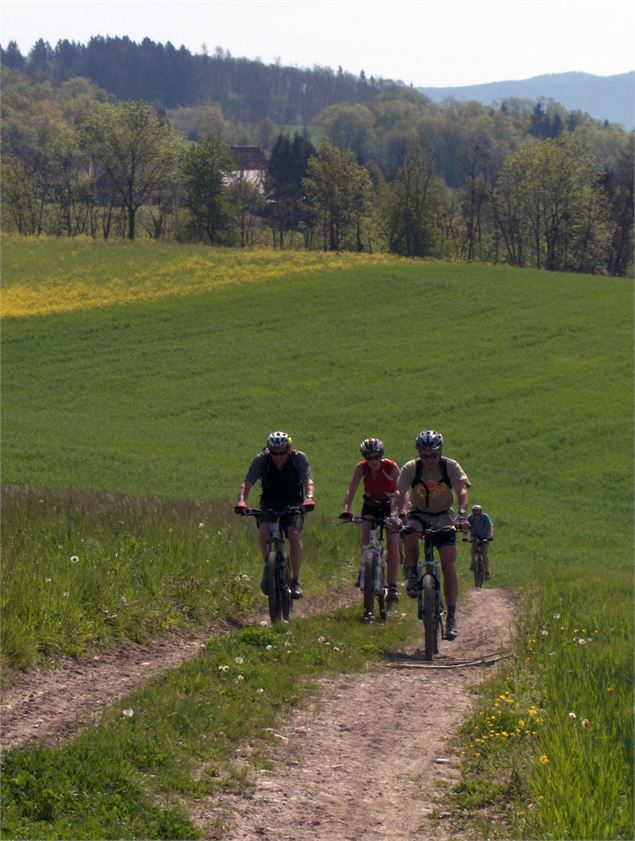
column 379, row 476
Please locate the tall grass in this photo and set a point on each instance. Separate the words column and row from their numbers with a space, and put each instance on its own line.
column 81, row 569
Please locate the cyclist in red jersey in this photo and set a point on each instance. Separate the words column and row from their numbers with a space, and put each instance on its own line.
column 380, row 476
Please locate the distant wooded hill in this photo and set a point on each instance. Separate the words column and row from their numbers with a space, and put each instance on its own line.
column 602, row 97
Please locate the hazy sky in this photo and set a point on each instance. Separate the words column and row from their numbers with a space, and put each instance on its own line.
column 423, row 42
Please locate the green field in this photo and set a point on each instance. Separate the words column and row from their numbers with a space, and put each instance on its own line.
column 528, row 375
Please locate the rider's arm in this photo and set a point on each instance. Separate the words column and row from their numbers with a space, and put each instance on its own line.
column 350, row 493
column 462, row 494
column 243, row 492
column 309, row 488
column 399, row 502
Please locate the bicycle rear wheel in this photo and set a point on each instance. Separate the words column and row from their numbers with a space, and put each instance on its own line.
column 430, row 619
column 369, row 585
column 273, row 592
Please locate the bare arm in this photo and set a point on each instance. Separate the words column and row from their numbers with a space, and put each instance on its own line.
column 350, row 492
column 243, row 492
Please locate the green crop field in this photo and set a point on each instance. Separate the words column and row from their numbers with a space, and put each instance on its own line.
column 152, row 374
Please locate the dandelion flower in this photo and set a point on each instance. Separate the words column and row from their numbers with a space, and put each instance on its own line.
column 127, row 713
column 544, row 760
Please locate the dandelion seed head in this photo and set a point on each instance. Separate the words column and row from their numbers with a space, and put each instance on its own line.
column 127, row 713
column 585, row 722
column 74, row 559
column 572, row 716
column 239, row 661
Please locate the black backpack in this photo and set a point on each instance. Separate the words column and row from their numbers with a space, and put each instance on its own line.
column 444, row 472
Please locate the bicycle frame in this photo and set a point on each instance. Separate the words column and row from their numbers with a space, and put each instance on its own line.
column 372, row 570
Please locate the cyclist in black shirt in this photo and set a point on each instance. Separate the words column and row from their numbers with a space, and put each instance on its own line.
column 286, row 479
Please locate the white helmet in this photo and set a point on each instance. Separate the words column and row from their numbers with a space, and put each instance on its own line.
column 279, row 441
column 429, row 439
column 476, row 509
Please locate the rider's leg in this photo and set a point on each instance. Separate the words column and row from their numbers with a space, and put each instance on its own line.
column 411, row 551
column 392, row 558
column 485, row 555
column 264, row 534
column 296, row 551
column 447, row 554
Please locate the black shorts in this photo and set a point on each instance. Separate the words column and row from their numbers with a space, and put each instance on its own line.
column 379, row 510
column 288, row 520
column 431, row 521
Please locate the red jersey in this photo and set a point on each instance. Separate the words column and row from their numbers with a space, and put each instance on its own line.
column 380, row 485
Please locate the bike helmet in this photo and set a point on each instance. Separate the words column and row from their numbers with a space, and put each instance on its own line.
column 371, row 445
column 476, row 509
column 279, row 441
column 429, row 439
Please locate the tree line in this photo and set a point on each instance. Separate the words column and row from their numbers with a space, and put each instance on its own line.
column 168, row 77
column 463, row 181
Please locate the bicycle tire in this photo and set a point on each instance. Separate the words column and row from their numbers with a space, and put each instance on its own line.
column 382, row 595
column 369, row 585
column 479, row 575
column 430, row 618
column 273, row 592
column 286, row 602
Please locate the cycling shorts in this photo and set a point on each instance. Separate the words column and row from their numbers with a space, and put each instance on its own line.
column 376, row 509
column 287, row 521
column 434, row 521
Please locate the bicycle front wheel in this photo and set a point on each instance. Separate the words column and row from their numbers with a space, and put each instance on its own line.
column 430, row 619
column 479, row 575
column 286, row 602
column 369, row 584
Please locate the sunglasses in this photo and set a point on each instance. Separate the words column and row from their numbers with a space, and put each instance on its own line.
column 429, row 456
column 372, row 458
column 279, row 452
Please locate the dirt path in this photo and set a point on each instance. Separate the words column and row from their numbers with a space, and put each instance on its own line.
column 55, row 703
column 362, row 760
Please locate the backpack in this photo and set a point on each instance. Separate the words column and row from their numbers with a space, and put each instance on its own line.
column 444, row 472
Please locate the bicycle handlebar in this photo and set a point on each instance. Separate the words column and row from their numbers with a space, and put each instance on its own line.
column 429, row 532
column 271, row 512
column 369, row 518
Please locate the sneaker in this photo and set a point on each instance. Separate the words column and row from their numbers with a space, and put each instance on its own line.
column 296, row 590
column 393, row 595
column 412, row 587
column 451, row 631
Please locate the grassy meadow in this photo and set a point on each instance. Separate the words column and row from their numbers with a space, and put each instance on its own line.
column 140, row 379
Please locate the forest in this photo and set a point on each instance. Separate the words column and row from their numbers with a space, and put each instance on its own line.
column 119, row 139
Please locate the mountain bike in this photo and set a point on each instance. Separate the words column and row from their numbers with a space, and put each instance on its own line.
column 429, row 602
column 372, row 579
column 477, row 562
column 277, row 574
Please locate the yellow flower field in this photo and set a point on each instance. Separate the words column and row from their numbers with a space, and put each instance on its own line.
column 78, row 282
